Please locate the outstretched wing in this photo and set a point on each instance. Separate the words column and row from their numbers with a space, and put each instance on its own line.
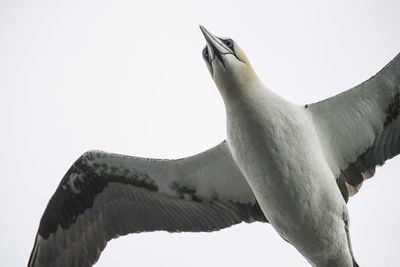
column 103, row 196
column 360, row 128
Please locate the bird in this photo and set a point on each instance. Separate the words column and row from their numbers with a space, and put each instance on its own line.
column 292, row 166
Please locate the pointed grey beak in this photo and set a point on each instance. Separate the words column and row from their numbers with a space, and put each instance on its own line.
column 215, row 46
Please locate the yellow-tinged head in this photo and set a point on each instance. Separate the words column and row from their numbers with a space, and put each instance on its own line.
column 227, row 63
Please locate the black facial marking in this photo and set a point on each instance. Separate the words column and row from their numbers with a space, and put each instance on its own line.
column 205, row 53
column 72, row 198
column 218, row 55
column 229, row 43
column 393, row 110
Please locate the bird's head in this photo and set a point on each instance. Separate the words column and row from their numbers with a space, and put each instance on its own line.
column 227, row 63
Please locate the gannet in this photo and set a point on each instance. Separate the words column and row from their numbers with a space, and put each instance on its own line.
column 294, row 166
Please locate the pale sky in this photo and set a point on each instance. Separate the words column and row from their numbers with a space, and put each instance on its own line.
column 128, row 77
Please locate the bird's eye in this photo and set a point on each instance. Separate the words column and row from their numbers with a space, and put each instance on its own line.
column 228, row 43
column 205, row 52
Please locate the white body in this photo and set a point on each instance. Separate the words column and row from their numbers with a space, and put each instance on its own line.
column 292, row 183
column 297, row 163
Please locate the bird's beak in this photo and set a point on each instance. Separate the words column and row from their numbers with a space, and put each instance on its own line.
column 215, row 46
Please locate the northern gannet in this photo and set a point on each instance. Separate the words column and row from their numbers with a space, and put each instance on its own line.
column 294, row 166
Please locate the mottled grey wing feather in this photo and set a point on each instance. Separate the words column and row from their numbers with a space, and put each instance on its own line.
column 103, row 196
column 360, row 128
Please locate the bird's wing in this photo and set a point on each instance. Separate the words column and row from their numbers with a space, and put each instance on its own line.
column 360, row 128
column 103, row 196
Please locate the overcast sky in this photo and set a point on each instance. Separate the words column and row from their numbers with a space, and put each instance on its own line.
column 128, row 77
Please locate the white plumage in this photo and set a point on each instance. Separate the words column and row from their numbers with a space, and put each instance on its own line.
column 299, row 164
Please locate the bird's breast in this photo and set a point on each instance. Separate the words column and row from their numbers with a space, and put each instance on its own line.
column 277, row 149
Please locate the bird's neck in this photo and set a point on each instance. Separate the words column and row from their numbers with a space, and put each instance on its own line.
column 244, row 90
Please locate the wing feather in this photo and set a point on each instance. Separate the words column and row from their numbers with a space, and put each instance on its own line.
column 103, row 196
column 360, row 128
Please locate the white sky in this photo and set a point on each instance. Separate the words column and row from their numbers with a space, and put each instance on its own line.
column 128, row 77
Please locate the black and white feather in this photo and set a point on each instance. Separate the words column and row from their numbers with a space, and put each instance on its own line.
column 360, row 128
column 104, row 195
